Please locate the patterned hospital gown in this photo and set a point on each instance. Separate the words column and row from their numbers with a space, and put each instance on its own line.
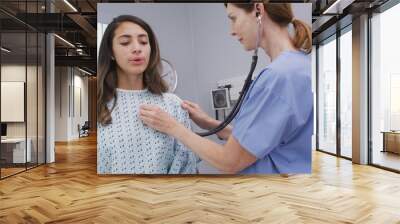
column 128, row 146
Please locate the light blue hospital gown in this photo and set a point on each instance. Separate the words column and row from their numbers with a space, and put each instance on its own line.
column 128, row 146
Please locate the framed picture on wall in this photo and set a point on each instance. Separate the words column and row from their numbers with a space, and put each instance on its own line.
column 12, row 101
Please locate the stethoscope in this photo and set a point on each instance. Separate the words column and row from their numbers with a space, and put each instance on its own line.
column 245, row 87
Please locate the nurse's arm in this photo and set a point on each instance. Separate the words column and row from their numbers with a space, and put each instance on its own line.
column 224, row 133
column 228, row 158
column 204, row 121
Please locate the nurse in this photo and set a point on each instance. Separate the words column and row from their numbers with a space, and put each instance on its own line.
column 272, row 131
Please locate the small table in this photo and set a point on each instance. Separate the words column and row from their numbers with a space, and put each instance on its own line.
column 391, row 141
column 17, row 150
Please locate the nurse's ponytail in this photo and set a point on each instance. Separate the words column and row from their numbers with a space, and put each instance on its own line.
column 282, row 14
column 302, row 36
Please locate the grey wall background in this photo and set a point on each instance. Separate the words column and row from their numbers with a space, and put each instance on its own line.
column 171, row 24
column 196, row 38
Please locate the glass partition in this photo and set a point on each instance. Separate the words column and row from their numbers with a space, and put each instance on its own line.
column 14, row 152
column 327, row 95
column 22, row 63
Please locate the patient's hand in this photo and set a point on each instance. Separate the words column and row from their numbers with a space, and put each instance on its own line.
column 197, row 114
column 158, row 119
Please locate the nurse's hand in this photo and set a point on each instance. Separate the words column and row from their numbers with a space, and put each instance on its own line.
column 197, row 115
column 158, row 119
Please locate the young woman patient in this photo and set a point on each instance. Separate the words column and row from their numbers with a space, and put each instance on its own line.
column 129, row 75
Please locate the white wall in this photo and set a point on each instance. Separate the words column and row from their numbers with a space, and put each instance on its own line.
column 66, row 119
column 80, row 83
column 16, row 72
column 33, row 126
column 61, row 103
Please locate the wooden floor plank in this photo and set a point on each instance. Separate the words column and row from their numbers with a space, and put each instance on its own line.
column 70, row 191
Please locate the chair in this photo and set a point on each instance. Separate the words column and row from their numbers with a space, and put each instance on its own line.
column 84, row 130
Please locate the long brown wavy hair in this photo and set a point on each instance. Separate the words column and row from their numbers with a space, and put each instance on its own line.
column 108, row 79
column 282, row 14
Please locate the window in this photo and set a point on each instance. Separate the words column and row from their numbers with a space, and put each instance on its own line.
column 385, row 89
column 346, row 93
column 327, row 96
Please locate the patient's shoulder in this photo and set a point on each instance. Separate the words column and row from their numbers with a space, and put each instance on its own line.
column 172, row 99
column 174, row 107
column 174, row 103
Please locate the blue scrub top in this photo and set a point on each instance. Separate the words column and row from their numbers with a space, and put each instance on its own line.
column 275, row 122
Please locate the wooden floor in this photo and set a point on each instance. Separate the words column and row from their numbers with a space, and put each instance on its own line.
column 5, row 172
column 70, row 191
column 10, row 171
column 387, row 159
